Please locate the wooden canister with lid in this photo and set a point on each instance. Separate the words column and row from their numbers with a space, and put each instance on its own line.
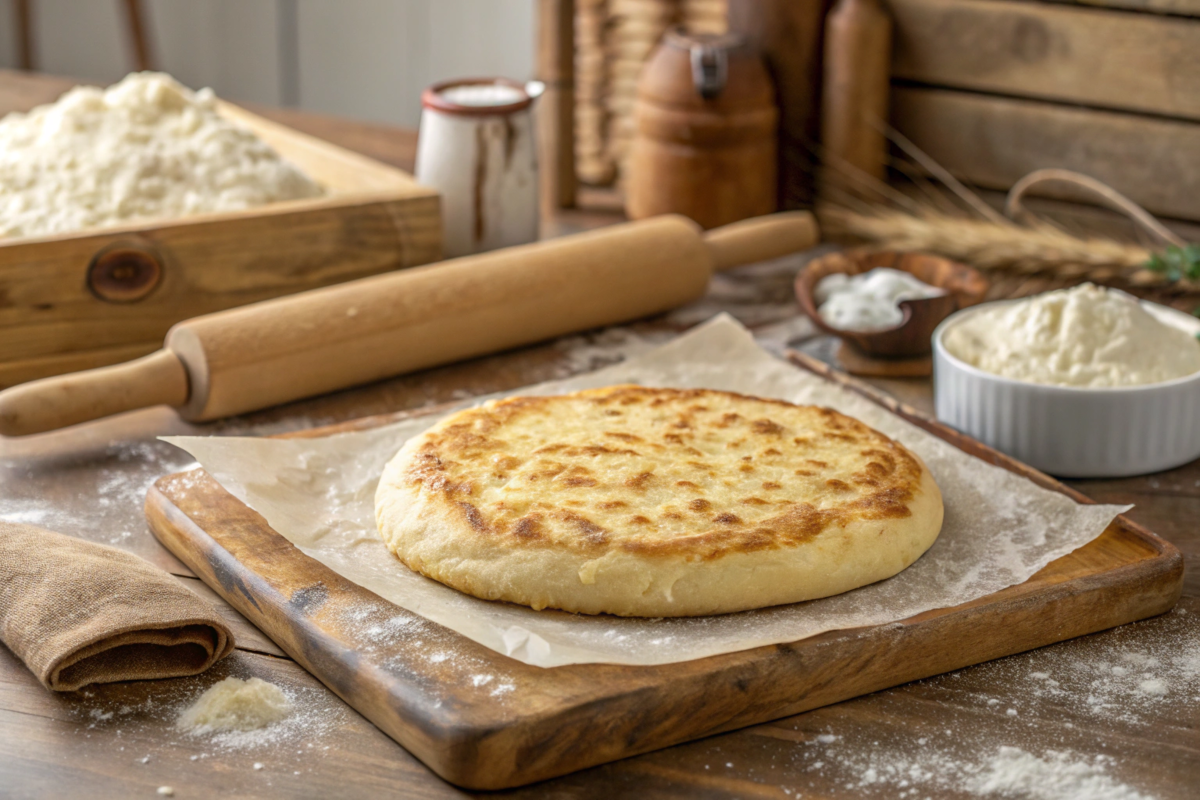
column 706, row 127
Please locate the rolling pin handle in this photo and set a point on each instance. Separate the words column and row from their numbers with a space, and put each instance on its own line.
column 62, row 400
column 761, row 238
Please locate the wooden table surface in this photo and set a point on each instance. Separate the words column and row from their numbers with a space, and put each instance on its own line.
column 1086, row 716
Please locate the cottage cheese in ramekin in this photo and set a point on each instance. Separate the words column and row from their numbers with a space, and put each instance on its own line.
column 1085, row 337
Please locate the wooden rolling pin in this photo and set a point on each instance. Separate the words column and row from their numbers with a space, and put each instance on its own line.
column 276, row 351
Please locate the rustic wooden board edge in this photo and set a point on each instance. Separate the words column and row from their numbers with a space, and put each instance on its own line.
column 488, row 747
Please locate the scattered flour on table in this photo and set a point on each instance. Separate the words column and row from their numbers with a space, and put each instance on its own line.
column 236, row 705
column 314, row 713
column 997, row 771
column 592, row 351
column 29, row 516
column 777, row 327
column 1013, row 772
column 108, row 483
column 311, row 717
column 1040, row 741
column 1132, row 675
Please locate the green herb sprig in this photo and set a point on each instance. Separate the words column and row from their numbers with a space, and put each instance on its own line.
column 1176, row 263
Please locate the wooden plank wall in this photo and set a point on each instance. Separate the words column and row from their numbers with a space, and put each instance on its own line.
column 994, row 89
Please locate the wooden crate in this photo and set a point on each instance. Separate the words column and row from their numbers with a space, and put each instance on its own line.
column 81, row 300
column 994, row 89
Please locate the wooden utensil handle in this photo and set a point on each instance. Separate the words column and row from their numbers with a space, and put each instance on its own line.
column 274, row 352
column 761, row 238
column 50, row 403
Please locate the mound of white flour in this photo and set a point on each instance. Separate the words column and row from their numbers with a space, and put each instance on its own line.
column 236, row 705
column 145, row 147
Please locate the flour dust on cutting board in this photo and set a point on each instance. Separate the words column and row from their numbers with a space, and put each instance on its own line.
column 402, row 633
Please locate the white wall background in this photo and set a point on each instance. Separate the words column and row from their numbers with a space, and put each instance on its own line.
column 358, row 58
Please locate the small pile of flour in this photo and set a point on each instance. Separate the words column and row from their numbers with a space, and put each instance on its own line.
column 143, row 148
column 1012, row 772
column 236, row 705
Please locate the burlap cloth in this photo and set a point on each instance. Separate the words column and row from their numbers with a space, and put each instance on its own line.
column 79, row 613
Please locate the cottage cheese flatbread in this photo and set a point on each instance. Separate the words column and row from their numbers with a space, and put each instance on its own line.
column 655, row 502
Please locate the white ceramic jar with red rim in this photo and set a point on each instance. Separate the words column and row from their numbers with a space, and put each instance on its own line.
column 476, row 147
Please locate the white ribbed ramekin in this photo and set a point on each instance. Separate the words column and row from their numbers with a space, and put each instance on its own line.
column 1070, row 432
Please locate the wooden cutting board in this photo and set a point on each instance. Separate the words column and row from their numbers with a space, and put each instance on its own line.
column 484, row 721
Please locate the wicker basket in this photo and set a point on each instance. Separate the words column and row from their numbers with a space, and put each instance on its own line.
column 613, row 38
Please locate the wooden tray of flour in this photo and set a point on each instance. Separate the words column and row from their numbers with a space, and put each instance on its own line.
column 485, row 721
column 97, row 297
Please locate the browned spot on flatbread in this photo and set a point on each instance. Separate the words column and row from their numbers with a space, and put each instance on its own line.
column 528, row 527
column 639, row 481
column 474, row 518
column 766, row 427
column 592, row 533
column 461, row 460
column 506, row 462
column 575, row 481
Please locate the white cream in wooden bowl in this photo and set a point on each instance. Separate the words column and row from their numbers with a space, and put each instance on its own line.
column 1084, row 337
column 146, row 147
column 869, row 301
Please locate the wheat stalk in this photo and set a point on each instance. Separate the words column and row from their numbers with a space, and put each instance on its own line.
column 1035, row 248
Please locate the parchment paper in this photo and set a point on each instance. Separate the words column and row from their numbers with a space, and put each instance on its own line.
column 319, row 493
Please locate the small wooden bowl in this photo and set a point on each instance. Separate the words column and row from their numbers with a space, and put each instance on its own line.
column 964, row 287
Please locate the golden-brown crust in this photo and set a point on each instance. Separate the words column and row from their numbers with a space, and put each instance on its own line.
column 659, row 472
